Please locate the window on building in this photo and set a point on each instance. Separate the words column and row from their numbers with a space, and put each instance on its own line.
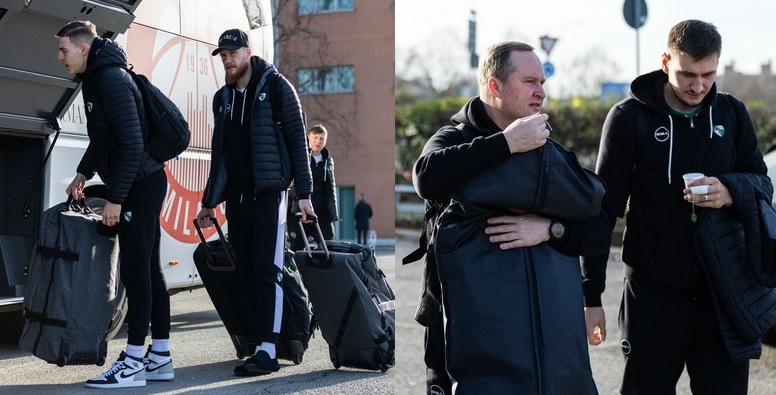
column 307, row 7
column 326, row 80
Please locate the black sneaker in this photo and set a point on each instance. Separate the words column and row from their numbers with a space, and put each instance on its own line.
column 261, row 363
column 241, row 371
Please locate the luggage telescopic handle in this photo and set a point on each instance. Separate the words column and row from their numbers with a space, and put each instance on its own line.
column 221, row 238
column 307, row 248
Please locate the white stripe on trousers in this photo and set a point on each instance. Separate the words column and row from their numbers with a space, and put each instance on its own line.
column 280, row 255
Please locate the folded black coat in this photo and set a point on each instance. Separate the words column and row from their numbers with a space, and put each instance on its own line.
column 548, row 180
column 729, row 243
column 514, row 319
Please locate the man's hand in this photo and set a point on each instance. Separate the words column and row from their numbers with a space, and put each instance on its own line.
column 204, row 215
column 111, row 214
column 526, row 134
column 306, row 208
column 717, row 196
column 76, row 187
column 515, row 231
column 595, row 322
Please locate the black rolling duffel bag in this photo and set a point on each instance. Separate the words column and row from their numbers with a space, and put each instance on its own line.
column 352, row 301
column 215, row 264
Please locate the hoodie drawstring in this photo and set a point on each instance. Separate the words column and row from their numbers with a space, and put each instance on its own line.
column 242, row 113
column 711, row 125
column 670, row 145
column 231, row 108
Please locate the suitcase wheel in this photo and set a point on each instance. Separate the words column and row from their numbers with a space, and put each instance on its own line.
column 298, row 358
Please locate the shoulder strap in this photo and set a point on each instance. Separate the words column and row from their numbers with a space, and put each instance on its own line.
column 275, row 99
column 433, row 209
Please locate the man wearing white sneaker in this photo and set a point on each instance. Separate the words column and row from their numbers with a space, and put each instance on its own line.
column 253, row 164
column 136, row 185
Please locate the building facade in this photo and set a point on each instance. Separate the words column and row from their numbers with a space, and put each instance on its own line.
column 340, row 56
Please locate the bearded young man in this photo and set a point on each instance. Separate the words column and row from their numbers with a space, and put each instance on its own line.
column 253, row 163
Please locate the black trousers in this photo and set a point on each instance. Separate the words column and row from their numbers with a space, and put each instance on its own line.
column 661, row 334
column 256, row 230
column 361, row 235
column 148, row 300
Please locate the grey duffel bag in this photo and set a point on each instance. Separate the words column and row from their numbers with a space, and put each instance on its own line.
column 73, row 289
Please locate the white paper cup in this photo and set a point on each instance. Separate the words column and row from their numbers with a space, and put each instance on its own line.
column 690, row 177
column 699, row 189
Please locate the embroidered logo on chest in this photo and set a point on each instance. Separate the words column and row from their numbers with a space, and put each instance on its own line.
column 719, row 130
column 662, row 134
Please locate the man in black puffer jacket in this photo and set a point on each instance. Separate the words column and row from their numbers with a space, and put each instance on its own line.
column 253, row 163
column 136, row 184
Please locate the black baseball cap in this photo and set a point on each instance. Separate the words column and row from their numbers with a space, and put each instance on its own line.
column 232, row 39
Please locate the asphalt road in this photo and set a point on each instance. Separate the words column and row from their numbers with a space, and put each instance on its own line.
column 204, row 359
column 606, row 359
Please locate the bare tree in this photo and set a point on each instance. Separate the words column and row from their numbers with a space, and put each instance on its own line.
column 587, row 72
column 440, row 64
column 291, row 28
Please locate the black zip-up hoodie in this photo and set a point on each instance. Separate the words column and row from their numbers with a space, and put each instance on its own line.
column 645, row 149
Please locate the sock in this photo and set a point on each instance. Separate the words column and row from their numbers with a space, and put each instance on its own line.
column 268, row 347
column 160, row 345
column 135, row 351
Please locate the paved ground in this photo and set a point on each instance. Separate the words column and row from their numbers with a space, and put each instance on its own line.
column 204, row 358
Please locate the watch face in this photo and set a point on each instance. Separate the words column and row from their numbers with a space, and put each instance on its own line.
column 558, row 230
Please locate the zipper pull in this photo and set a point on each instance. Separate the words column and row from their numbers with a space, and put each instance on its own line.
column 692, row 123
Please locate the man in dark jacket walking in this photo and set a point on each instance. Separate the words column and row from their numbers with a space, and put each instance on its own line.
column 253, row 163
column 136, row 184
column 675, row 122
column 362, row 214
column 324, row 196
column 505, row 120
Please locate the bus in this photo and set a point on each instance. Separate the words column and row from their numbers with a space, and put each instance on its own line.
column 43, row 123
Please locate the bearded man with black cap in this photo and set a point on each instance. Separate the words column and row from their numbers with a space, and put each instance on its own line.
column 254, row 161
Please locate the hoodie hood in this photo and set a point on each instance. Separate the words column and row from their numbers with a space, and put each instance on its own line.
column 648, row 90
column 103, row 52
column 473, row 115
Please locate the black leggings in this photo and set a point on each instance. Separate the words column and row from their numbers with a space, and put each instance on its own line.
column 141, row 271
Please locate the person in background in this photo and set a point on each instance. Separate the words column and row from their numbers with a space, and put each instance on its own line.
column 675, row 122
column 362, row 215
column 324, row 196
column 247, row 172
column 136, row 185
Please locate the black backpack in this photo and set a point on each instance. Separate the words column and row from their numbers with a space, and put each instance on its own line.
column 168, row 132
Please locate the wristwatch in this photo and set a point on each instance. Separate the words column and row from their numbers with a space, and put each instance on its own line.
column 557, row 230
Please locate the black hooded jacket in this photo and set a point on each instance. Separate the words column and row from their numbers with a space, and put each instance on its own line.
column 278, row 156
column 115, row 119
column 645, row 150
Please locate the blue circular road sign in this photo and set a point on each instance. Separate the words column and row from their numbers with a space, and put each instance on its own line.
column 549, row 69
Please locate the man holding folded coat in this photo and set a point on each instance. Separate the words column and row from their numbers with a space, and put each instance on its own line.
column 511, row 283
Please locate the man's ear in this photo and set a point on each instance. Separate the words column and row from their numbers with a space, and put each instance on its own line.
column 494, row 87
column 666, row 58
column 248, row 51
column 84, row 48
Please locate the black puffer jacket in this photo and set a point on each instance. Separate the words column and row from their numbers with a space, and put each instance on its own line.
column 278, row 156
column 115, row 118
column 728, row 242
